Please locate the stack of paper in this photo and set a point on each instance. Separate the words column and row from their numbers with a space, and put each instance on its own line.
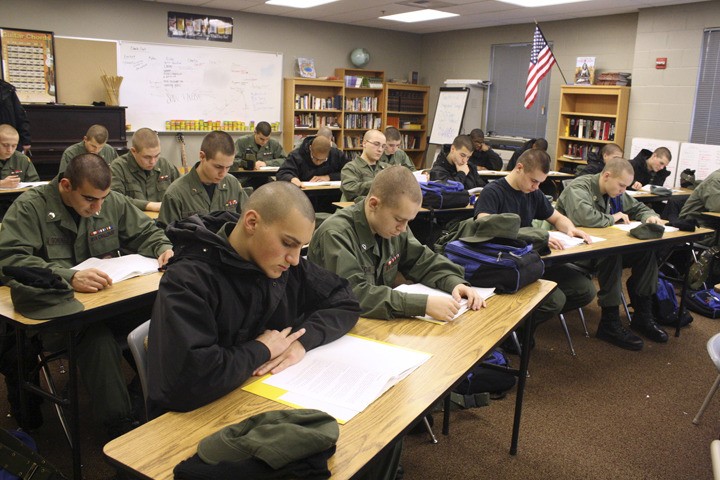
column 569, row 242
column 425, row 290
column 269, row 169
column 121, row 268
column 341, row 378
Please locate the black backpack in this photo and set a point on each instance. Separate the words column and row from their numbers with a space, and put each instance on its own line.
column 484, row 382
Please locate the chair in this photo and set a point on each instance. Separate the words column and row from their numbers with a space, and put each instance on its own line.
column 136, row 342
column 713, row 348
column 567, row 332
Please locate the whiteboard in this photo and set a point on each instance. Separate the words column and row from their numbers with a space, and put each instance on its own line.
column 168, row 82
column 448, row 115
column 652, row 144
column 704, row 159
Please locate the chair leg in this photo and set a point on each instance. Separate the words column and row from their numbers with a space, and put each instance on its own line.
column 429, row 430
column 582, row 319
column 567, row 334
column 709, row 396
column 45, row 369
column 516, row 342
column 625, row 306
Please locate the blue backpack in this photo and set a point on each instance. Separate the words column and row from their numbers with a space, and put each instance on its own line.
column 665, row 305
column 705, row 302
column 483, row 383
column 449, row 194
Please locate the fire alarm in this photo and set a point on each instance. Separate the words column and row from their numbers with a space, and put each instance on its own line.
column 661, row 63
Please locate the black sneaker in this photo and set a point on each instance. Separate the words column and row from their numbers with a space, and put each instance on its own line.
column 651, row 330
column 616, row 334
column 121, row 427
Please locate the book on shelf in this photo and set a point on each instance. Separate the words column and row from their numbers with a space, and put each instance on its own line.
column 585, row 70
column 306, row 67
column 614, row 78
column 372, row 82
column 572, row 157
column 393, row 121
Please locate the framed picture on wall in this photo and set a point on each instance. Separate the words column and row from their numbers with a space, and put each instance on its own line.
column 28, row 63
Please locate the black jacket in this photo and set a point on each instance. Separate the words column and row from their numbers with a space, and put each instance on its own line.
column 212, row 305
column 595, row 165
column 642, row 174
column 299, row 164
column 12, row 112
column 443, row 170
column 489, row 160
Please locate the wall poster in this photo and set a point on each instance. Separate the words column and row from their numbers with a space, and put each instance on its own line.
column 28, row 63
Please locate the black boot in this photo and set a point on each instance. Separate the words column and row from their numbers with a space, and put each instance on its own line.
column 612, row 331
column 643, row 321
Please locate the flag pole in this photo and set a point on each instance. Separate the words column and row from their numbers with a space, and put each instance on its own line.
column 553, row 53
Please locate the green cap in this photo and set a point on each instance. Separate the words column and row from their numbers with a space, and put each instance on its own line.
column 277, row 438
column 43, row 303
column 505, row 225
column 647, row 231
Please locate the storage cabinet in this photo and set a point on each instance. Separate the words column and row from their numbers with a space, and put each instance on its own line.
column 406, row 108
column 590, row 117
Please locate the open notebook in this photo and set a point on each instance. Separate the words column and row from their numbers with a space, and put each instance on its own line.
column 121, row 268
column 425, row 290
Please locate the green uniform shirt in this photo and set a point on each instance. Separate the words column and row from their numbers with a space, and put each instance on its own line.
column 187, row 196
column 38, row 231
column 356, row 176
column 106, row 152
column 399, row 158
column 19, row 164
column 345, row 245
column 271, row 153
column 582, row 202
column 142, row 186
column 705, row 198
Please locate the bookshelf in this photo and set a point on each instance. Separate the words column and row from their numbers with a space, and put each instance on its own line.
column 363, row 105
column 406, row 108
column 590, row 117
column 308, row 105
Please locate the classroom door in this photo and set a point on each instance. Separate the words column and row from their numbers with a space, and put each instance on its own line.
column 506, row 114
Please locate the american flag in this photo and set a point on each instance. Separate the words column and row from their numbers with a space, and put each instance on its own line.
column 541, row 61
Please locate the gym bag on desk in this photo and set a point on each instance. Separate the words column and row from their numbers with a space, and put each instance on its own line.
column 449, row 194
column 503, row 263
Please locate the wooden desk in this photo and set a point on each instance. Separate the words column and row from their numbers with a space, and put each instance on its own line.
column 153, row 215
column 115, row 300
column 647, row 197
column 241, row 172
column 504, row 173
column 456, row 348
column 422, row 210
column 10, row 194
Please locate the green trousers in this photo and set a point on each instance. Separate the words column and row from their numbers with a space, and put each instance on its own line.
column 644, row 270
column 575, row 290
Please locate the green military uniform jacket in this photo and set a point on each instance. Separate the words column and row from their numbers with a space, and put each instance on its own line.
column 582, row 202
column 38, row 231
column 705, row 198
column 356, row 177
column 399, row 158
column 187, row 196
column 142, row 187
column 271, row 153
column 106, row 152
column 345, row 245
column 20, row 165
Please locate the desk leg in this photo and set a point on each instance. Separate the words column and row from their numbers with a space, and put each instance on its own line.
column 522, row 378
column 74, row 405
column 22, row 378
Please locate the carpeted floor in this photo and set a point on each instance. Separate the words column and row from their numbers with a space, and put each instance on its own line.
column 606, row 414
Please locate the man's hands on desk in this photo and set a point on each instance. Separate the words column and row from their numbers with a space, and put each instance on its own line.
column 285, row 350
column 621, row 217
column 445, row 309
column 556, row 244
column 93, row 280
column 11, row 181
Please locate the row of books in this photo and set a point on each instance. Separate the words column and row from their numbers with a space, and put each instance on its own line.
column 362, row 104
column 410, row 142
column 354, row 81
column 614, row 78
column 589, row 128
column 580, row 151
column 406, row 101
column 313, row 120
column 412, row 123
column 365, row 120
column 352, row 142
column 311, row 102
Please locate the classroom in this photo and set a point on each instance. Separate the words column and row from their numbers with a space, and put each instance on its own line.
column 605, row 413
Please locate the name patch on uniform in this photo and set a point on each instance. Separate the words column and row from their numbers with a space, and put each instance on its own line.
column 393, row 260
column 59, row 241
column 101, row 233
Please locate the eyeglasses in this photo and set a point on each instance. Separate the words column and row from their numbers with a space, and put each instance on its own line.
column 318, row 160
column 377, row 144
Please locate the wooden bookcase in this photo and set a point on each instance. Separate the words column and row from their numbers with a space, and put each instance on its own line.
column 599, row 111
column 406, row 108
column 309, row 104
column 363, row 107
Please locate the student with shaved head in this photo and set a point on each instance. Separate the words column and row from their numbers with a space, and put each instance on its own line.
column 94, row 141
column 315, row 160
column 239, row 300
column 15, row 167
column 369, row 243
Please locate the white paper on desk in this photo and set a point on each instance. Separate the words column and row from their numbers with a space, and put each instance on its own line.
column 331, row 183
column 421, row 289
column 629, row 226
column 648, row 189
column 475, row 191
column 26, row 185
column 121, row 268
column 269, row 169
column 493, row 172
column 569, row 242
column 421, row 176
column 347, row 375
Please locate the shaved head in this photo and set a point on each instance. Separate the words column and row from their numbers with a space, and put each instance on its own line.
column 393, row 183
column 276, row 200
